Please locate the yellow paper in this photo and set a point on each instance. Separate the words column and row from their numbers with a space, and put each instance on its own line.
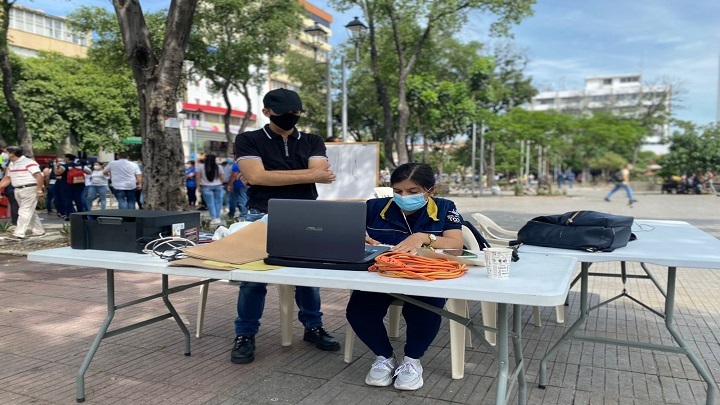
column 256, row 265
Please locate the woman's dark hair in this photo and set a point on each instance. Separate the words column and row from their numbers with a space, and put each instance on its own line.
column 211, row 167
column 419, row 173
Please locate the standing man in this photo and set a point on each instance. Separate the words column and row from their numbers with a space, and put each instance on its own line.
column 126, row 178
column 24, row 175
column 623, row 181
column 278, row 161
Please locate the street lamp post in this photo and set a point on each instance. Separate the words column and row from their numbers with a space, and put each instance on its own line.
column 319, row 36
column 355, row 29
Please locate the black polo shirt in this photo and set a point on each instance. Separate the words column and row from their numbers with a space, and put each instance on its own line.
column 276, row 153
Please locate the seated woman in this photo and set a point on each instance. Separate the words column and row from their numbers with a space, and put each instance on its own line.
column 409, row 220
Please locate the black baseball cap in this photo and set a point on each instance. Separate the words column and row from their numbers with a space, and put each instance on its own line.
column 282, row 101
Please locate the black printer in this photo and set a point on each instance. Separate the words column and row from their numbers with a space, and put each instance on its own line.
column 129, row 230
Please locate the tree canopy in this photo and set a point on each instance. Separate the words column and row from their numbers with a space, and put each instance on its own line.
column 233, row 54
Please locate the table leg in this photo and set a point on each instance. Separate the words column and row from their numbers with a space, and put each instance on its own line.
column 174, row 313
column 502, row 358
column 201, row 309
column 112, row 307
column 669, row 317
column 80, row 381
column 584, row 305
column 517, row 351
column 286, row 293
column 457, row 338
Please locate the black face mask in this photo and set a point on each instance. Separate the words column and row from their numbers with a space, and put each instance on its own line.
column 286, row 121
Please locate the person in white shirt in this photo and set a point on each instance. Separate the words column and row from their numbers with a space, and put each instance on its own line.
column 98, row 186
column 126, row 178
column 24, row 174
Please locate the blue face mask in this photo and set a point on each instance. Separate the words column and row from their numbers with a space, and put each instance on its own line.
column 412, row 202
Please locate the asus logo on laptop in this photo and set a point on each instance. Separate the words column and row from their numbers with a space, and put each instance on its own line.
column 314, row 228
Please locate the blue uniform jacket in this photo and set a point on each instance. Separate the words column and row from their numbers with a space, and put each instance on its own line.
column 386, row 224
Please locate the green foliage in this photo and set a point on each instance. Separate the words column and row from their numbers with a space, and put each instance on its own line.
column 234, row 41
column 609, row 162
column 313, row 92
column 693, row 149
column 65, row 231
column 499, row 83
column 5, row 226
column 41, row 204
column 63, row 96
column 107, row 48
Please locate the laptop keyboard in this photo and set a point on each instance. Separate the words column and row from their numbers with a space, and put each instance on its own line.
column 369, row 252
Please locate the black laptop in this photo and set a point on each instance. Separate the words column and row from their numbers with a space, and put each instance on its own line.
column 319, row 234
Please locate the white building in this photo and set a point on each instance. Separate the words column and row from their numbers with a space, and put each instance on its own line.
column 622, row 94
column 31, row 31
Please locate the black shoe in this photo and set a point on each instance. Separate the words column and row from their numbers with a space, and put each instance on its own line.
column 607, row 199
column 631, row 202
column 243, row 350
column 322, row 340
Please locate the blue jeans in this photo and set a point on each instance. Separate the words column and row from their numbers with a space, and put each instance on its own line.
column 125, row 198
column 251, row 301
column 212, row 195
column 238, row 199
column 96, row 191
column 51, row 197
column 74, row 195
column 617, row 187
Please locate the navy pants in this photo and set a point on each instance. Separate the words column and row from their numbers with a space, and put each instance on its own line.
column 365, row 313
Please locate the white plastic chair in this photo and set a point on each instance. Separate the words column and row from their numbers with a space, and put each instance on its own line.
column 285, row 298
column 383, row 192
column 496, row 235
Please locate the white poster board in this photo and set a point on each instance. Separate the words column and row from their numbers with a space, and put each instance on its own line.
column 357, row 167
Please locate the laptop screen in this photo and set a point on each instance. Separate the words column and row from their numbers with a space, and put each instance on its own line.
column 316, row 230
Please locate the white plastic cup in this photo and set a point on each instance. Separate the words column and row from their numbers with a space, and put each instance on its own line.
column 497, row 261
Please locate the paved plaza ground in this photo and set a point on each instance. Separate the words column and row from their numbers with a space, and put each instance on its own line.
column 49, row 315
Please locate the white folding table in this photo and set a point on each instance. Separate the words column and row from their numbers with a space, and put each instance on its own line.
column 665, row 243
column 536, row 280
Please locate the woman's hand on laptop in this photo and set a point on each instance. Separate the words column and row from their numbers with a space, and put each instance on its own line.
column 411, row 244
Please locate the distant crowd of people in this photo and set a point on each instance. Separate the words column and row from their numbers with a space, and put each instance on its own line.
column 73, row 185
column 68, row 184
column 221, row 187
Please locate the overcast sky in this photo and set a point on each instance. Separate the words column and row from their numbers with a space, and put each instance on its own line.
column 568, row 40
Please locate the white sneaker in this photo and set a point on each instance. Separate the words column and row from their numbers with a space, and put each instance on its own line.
column 216, row 221
column 381, row 372
column 409, row 375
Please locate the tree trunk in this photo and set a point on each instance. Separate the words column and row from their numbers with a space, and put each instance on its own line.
column 248, row 113
column 157, row 82
column 491, row 166
column 380, row 89
column 23, row 136
column 229, row 136
column 403, row 117
column 163, row 155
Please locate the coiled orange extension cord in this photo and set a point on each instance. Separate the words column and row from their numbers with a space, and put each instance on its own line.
column 405, row 265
